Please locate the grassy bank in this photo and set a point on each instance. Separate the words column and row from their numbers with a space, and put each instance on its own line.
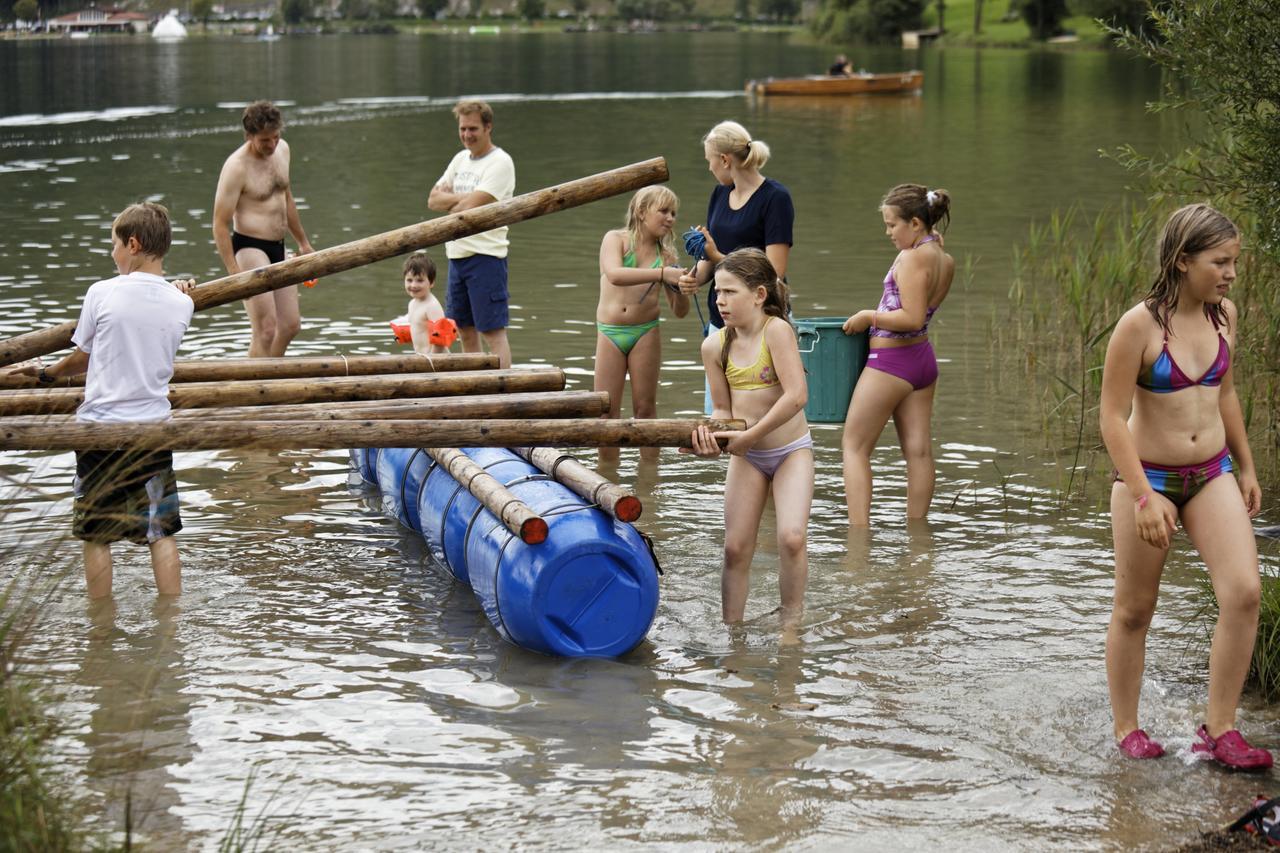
column 999, row 28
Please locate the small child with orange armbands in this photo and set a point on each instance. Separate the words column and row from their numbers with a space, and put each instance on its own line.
column 424, row 325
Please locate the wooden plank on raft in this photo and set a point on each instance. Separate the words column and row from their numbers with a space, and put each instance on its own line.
column 514, row 513
column 358, row 253
column 197, row 395
column 541, row 404
column 18, row 434
column 293, row 367
column 618, row 501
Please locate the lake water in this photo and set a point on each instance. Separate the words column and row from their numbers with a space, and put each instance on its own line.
column 947, row 685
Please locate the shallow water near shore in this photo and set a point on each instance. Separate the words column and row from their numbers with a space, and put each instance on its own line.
column 946, row 684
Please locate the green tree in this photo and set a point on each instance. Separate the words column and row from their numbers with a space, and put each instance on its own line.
column 742, row 10
column 202, row 10
column 26, row 10
column 780, row 10
column 1225, row 67
column 386, row 8
column 293, row 11
column 580, row 7
column 430, row 8
column 1128, row 15
column 532, row 10
column 356, row 10
column 866, row 20
column 1044, row 17
column 644, row 10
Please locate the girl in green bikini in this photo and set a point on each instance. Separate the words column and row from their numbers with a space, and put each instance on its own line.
column 636, row 264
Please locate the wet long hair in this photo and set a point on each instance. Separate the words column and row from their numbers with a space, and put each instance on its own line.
column 1190, row 230
column 642, row 202
column 914, row 201
column 755, row 270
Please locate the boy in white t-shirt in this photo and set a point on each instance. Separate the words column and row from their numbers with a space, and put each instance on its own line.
column 128, row 334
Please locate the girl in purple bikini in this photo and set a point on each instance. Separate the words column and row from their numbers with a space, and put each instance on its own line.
column 1172, row 423
column 903, row 371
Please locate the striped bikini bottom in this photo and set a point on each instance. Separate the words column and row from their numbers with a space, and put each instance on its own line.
column 1181, row 483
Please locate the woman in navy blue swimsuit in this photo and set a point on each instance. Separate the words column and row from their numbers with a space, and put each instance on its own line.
column 746, row 210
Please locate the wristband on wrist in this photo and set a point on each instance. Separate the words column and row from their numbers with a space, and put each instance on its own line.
column 44, row 378
column 1141, row 501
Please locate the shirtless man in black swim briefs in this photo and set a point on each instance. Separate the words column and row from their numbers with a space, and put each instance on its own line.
column 252, row 210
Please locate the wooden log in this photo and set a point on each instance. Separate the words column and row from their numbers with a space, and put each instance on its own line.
column 514, row 513
column 358, row 253
column 295, row 367
column 18, row 434
column 543, row 404
column 197, row 395
column 618, row 501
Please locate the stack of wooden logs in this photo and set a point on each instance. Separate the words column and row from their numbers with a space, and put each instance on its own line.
column 446, row 401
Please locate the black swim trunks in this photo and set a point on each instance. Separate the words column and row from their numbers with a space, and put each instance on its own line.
column 274, row 249
column 125, row 494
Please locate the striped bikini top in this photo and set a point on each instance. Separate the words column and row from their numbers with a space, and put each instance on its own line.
column 1164, row 376
column 759, row 374
column 891, row 300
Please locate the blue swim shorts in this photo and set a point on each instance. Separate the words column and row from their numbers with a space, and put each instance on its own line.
column 477, row 293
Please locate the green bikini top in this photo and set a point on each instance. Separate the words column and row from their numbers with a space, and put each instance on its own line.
column 629, row 260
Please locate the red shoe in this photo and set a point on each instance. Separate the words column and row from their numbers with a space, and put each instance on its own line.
column 1231, row 749
column 1137, row 744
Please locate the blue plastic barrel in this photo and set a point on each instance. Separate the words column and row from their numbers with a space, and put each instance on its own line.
column 400, row 472
column 590, row 590
column 832, row 362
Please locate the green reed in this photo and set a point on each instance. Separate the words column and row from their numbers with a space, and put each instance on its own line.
column 1072, row 281
column 38, row 810
column 1073, row 278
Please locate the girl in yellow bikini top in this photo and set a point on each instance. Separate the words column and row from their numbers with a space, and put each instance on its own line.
column 759, row 374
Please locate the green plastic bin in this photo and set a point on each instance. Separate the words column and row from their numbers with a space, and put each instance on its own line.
column 832, row 361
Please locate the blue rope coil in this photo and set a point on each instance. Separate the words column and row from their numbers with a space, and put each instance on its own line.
column 695, row 245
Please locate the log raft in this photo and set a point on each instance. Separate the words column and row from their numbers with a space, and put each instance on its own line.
column 20, row 434
column 336, row 259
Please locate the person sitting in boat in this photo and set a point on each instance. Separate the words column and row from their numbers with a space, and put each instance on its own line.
column 842, row 67
column 430, row 331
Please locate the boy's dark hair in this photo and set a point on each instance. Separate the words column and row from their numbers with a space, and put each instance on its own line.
column 149, row 223
column 420, row 263
column 261, row 116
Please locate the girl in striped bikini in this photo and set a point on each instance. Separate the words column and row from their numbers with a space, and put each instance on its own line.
column 636, row 264
column 1172, row 439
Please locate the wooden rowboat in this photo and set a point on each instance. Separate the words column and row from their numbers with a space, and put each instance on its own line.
column 822, row 84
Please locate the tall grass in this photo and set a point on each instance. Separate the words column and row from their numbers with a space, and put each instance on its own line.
column 38, row 810
column 1073, row 279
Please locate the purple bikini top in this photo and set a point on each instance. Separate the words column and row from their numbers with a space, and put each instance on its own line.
column 891, row 300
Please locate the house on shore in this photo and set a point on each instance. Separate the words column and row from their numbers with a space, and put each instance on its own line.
column 94, row 20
